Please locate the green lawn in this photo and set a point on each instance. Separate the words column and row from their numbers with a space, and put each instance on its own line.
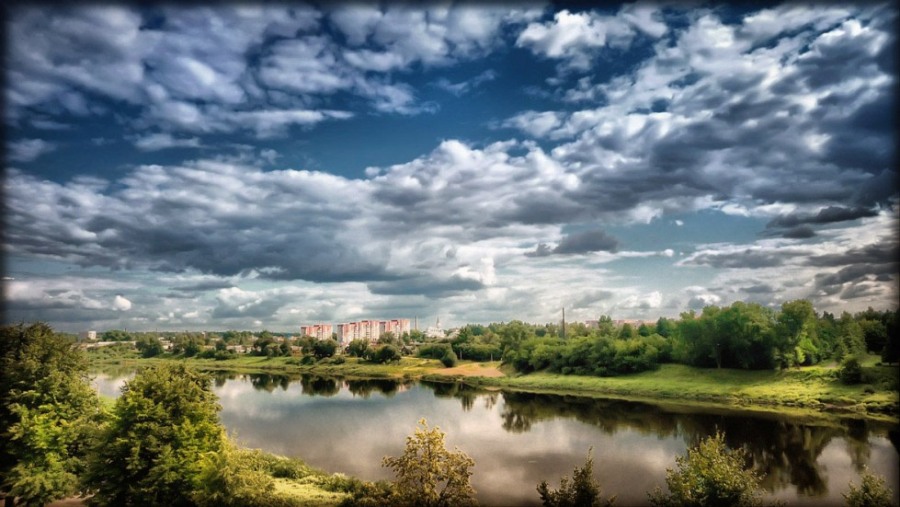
column 808, row 388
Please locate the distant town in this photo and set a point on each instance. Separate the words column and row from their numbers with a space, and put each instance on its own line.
column 369, row 330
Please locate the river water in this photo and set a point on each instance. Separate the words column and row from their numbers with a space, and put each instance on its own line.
column 520, row 439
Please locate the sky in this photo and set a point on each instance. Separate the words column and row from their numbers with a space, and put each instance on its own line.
column 251, row 166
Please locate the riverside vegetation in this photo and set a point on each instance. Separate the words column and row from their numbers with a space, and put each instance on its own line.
column 744, row 354
column 162, row 443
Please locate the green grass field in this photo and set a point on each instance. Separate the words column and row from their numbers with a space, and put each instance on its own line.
column 811, row 388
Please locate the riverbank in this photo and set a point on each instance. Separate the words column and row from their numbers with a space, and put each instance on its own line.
column 812, row 390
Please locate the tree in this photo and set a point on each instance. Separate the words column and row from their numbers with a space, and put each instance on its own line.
column 324, row 348
column 871, row 493
column 428, row 475
column 851, row 371
column 47, row 410
column 115, row 335
column 584, row 491
column 149, row 346
column 384, row 354
column 165, row 419
column 711, row 475
column 229, row 478
column 358, row 348
column 796, row 337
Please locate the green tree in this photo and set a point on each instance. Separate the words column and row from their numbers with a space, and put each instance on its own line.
column 851, row 371
column 230, row 478
column 149, row 346
column 583, row 491
column 384, row 354
column 324, row 348
column 165, row 419
column 115, row 335
column 796, row 337
column 871, row 493
column 358, row 348
column 711, row 475
column 47, row 410
column 428, row 475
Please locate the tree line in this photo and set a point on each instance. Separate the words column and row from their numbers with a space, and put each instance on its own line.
column 742, row 335
column 161, row 443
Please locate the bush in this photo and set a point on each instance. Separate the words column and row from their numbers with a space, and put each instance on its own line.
column 434, row 350
column 583, row 490
column 871, row 493
column 710, row 474
column 449, row 359
column 851, row 371
column 165, row 418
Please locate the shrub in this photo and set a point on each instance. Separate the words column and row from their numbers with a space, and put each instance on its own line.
column 871, row 493
column 710, row 474
column 851, row 371
column 449, row 359
column 582, row 491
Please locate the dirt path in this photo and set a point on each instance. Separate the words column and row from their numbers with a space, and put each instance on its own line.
column 474, row 370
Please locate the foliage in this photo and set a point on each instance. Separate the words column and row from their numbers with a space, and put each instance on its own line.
column 851, row 371
column 871, row 493
column 149, row 346
column 47, row 410
column 166, row 417
column 583, row 490
column 115, row 335
column 434, row 350
column 384, row 354
column 324, row 348
column 428, row 475
column 358, row 348
column 891, row 352
column 232, row 477
column 449, row 359
column 710, row 475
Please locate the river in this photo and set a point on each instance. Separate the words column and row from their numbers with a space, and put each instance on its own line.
column 519, row 439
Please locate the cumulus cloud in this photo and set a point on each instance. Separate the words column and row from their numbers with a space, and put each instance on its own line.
column 576, row 37
column 121, row 304
column 261, row 68
column 163, row 140
column 579, row 243
column 26, row 150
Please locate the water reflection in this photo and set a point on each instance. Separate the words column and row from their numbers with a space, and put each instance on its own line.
column 519, row 439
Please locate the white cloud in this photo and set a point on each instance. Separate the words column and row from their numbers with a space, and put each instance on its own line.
column 121, row 304
column 26, row 150
column 163, row 140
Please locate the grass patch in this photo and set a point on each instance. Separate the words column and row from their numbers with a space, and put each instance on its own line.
column 814, row 388
column 305, row 492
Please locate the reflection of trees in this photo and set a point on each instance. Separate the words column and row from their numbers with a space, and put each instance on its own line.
column 365, row 387
column 269, row 381
column 785, row 452
column 465, row 393
column 521, row 410
column 320, row 386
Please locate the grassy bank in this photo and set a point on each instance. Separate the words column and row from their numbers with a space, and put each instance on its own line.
column 813, row 388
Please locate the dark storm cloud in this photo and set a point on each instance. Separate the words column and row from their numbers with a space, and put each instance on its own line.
column 883, row 252
column 831, row 214
column 216, row 218
column 586, row 242
column 203, row 286
column 741, row 259
column 762, row 288
column 592, row 298
column 579, row 243
column 800, row 232
column 426, row 285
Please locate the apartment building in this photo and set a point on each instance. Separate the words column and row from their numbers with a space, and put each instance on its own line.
column 317, row 331
column 369, row 330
